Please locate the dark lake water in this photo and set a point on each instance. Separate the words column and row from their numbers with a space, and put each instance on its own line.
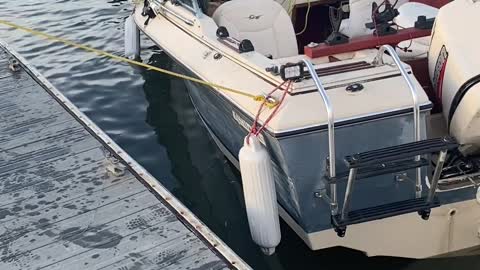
column 151, row 117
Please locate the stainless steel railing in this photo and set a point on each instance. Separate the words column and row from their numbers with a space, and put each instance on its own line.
column 196, row 9
column 331, row 131
column 416, row 105
column 159, row 5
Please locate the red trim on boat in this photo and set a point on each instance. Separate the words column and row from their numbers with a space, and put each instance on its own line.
column 440, row 81
column 433, row 3
column 366, row 42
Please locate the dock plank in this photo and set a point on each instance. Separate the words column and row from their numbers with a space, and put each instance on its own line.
column 11, row 82
column 43, row 177
column 21, row 111
column 161, row 256
column 101, row 230
column 60, row 208
column 24, row 221
column 201, row 260
column 126, row 257
column 28, row 155
column 10, row 140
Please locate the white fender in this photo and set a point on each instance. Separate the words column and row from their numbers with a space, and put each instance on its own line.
column 260, row 195
column 478, row 195
column 132, row 39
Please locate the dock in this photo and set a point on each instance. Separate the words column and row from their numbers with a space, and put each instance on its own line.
column 73, row 199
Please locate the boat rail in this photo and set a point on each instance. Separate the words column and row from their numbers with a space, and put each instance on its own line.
column 331, row 133
column 158, row 5
column 196, row 9
column 416, row 105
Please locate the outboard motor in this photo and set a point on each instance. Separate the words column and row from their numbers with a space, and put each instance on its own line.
column 454, row 65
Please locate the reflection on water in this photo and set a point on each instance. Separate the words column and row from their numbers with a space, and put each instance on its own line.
column 151, row 117
column 206, row 182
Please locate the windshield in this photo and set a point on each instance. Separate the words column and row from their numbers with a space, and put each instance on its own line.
column 203, row 4
column 188, row 3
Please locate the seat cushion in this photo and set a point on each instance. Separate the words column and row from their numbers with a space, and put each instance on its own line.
column 264, row 22
column 409, row 12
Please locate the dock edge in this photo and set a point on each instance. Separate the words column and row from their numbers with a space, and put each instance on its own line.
column 178, row 208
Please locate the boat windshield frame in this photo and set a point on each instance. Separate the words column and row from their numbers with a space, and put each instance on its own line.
column 194, row 8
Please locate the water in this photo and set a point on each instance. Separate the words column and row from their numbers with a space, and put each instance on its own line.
column 151, row 117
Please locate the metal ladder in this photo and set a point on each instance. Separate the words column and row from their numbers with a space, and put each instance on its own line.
column 332, row 197
column 391, row 160
column 378, row 61
column 384, row 161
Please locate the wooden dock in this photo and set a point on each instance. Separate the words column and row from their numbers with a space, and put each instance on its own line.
column 72, row 199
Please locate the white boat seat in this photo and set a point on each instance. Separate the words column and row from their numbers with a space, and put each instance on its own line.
column 360, row 14
column 409, row 12
column 264, row 22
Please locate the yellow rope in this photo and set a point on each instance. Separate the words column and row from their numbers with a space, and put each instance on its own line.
column 259, row 98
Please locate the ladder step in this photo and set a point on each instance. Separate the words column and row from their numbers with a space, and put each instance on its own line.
column 384, row 211
column 400, row 152
column 372, row 170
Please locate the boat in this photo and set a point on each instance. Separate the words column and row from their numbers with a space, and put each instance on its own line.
column 370, row 135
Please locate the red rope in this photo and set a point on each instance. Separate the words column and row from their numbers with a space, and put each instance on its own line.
column 253, row 130
column 285, row 92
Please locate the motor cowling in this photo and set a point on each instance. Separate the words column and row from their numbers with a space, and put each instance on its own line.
column 454, row 66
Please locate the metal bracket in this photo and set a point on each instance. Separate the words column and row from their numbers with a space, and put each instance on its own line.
column 327, row 164
column 322, row 194
column 336, row 37
column 113, row 165
column 475, row 184
column 401, row 177
column 13, row 65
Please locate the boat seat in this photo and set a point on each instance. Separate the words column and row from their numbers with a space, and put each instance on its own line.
column 264, row 22
column 360, row 14
column 409, row 12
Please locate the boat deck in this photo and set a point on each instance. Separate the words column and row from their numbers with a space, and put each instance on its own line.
column 61, row 208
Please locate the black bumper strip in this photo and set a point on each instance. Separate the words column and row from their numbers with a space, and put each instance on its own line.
column 459, row 96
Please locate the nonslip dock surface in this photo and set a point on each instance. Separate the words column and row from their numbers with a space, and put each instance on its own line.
column 61, row 209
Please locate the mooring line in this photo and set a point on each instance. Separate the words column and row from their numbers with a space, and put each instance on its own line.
column 259, row 98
